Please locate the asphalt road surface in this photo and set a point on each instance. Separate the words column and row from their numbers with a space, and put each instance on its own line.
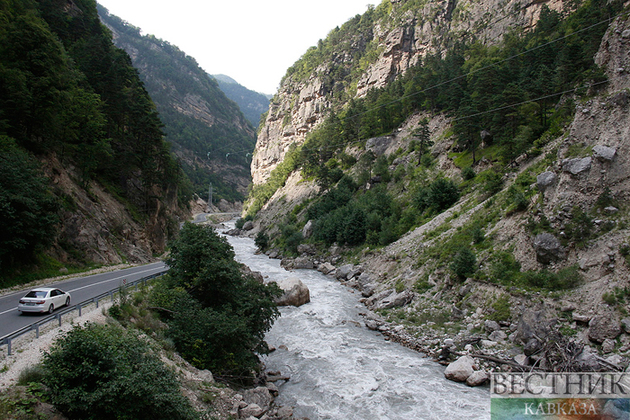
column 80, row 288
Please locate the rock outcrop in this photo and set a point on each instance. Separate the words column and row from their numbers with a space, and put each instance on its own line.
column 302, row 103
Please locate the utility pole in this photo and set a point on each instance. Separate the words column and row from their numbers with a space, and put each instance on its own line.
column 210, row 196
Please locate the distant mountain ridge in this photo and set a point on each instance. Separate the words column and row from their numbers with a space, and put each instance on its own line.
column 210, row 134
column 253, row 104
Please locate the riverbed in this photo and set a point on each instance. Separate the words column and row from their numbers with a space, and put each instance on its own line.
column 341, row 370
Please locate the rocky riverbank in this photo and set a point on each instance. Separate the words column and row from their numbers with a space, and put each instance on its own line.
column 520, row 331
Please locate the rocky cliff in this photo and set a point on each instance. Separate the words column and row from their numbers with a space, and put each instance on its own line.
column 401, row 34
column 545, row 230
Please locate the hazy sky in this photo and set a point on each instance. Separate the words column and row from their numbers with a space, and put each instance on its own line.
column 252, row 41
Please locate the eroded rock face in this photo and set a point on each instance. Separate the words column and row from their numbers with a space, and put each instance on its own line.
column 301, row 104
column 295, row 292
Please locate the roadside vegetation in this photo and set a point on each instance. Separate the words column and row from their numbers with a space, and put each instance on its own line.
column 206, row 309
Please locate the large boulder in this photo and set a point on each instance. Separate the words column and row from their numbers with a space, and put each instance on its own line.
column 260, row 396
column 460, row 370
column 295, row 292
column 548, row 248
column 546, row 179
column 326, row 268
column 602, row 327
column 577, row 165
column 478, row 377
column 604, row 152
column 343, row 271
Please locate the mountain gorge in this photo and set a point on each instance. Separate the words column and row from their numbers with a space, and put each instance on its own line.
column 87, row 176
column 464, row 163
column 209, row 134
column 253, row 104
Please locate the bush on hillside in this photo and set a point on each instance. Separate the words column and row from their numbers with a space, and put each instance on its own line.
column 106, row 372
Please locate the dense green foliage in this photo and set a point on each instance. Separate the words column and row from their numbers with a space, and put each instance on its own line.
column 106, row 372
column 174, row 80
column 28, row 210
column 230, row 310
column 66, row 91
column 252, row 104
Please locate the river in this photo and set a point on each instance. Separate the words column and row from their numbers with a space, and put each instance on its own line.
column 341, row 370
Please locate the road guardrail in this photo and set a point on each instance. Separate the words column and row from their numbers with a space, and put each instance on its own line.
column 7, row 339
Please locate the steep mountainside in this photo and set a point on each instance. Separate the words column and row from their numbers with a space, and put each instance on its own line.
column 253, row 104
column 467, row 163
column 371, row 50
column 73, row 108
column 209, row 133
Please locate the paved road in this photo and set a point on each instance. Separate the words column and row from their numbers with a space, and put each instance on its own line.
column 81, row 289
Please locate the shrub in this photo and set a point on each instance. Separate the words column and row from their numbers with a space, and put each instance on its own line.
column 105, row 372
column 262, row 241
column 501, row 309
column 468, row 173
column 217, row 316
column 464, row 263
column 581, row 227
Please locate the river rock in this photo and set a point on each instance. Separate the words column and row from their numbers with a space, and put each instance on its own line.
column 604, row 152
column 478, row 377
column 342, row 272
column 295, row 292
column 602, row 327
column 548, row 248
column 326, row 268
column 577, row 165
column 545, row 180
column 308, row 249
column 249, row 225
column 284, row 412
column 303, row 263
column 460, row 369
column 260, row 396
column 252, row 410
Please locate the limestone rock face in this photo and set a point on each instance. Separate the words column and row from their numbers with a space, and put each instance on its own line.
column 302, row 102
column 295, row 292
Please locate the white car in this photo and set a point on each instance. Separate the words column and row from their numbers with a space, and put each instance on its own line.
column 43, row 299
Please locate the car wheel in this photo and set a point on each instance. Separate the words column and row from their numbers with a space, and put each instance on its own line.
column 51, row 308
column 67, row 301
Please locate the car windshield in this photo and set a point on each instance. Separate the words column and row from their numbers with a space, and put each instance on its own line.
column 36, row 294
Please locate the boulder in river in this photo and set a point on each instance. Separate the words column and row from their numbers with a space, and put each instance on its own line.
column 460, row 369
column 295, row 292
